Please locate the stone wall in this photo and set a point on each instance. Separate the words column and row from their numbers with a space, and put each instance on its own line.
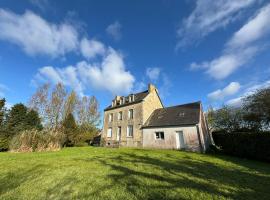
column 136, row 140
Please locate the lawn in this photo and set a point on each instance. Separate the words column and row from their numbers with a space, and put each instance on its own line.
column 104, row 173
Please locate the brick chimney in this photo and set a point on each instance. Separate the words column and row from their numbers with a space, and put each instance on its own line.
column 151, row 88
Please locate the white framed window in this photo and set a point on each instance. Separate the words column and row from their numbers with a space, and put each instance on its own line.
column 129, row 131
column 130, row 114
column 120, row 115
column 110, row 117
column 109, row 132
column 159, row 135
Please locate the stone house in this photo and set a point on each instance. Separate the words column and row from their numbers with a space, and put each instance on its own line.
column 140, row 120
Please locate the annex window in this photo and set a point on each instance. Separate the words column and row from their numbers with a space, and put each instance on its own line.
column 110, row 117
column 129, row 131
column 120, row 115
column 109, row 132
column 130, row 114
column 160, row 135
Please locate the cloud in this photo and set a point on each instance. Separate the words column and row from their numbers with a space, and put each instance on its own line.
column 238, row 101
column 114, row 30
column 241, row 48
column 207, row 17
column 35, row 35
column 41, row 4
column 91, row 48
column 229, row 90
column 153, row 73
column 110, row 74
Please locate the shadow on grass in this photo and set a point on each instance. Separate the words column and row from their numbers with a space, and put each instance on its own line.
column 149, row 177
column 12, row 180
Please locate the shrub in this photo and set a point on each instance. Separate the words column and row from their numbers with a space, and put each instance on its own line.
column 34, row 140
column 244, row 144
column 4, row 140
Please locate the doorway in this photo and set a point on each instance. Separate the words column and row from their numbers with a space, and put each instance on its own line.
column 118, row 135
column 180, row 142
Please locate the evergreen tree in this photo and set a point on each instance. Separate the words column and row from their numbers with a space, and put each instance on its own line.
column 2, row 111
column 32, row 120
column 70, row 129
column 16, row 120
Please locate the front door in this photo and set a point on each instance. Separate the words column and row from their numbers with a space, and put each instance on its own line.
column 180, row 142
column 118, row 135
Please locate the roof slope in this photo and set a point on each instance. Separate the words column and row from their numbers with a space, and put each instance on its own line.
column 138, row 97
column 186, row 114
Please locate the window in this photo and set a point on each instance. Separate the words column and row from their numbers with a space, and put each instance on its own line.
column 130, row 114
column 118, row 136
column 110, row 117
column 159, row 135
column 109, row 132
column 120, row 115
column 129, row 131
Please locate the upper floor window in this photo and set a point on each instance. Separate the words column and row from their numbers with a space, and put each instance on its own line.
column 129, row 131
column 109, row 132
column 130, row 114
column 120, row 115
column 110, row 117
column 160, row 135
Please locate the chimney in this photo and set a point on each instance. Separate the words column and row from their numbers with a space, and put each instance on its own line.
column 151, row 88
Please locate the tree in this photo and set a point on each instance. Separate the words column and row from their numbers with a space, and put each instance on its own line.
column 70, row 104
column 32, row 120
column 2, row 111
column 16, row 118
column 257, row 109
column 227, row 118
column 70, row 129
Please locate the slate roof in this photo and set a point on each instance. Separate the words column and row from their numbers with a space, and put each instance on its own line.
column 138, row 97
column 186, row 114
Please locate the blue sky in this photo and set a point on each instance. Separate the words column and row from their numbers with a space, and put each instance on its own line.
column 213, row 51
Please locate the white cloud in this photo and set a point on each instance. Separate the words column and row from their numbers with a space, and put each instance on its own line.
column 41, row 4
column 110, row 74
column 114, row 30
column 248, row 91
column 153, row 73
column 91, row 48
column 229, row 90
column 240, row 49
column 37, row 36
column 209, row 16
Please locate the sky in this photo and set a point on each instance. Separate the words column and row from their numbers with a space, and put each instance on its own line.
column 192, row 50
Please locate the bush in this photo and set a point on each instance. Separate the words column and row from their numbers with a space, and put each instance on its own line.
column 34, row 140
column 4, row 140
column 244, row 144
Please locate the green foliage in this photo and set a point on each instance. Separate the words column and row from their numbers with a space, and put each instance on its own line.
column 252, row 145
column 4, row 141
column 32, row 120
column 257, row 108
column 70, row 129
column 227, row 118
column 2, row 112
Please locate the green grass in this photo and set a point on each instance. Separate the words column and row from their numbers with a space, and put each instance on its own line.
column 103, row 173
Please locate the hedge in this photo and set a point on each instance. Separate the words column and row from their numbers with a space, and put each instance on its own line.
column 245, row 145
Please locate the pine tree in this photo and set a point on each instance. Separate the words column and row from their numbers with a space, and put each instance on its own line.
column 16, row 120
column 32, row 120
column 70, row 129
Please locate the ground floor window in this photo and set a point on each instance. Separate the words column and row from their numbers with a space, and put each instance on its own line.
column 129, row 131
column 109, row 132
column 160, row 135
